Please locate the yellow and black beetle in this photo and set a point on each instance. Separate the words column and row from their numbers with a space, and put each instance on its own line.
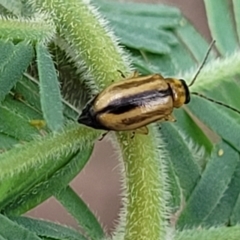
column 135, row 102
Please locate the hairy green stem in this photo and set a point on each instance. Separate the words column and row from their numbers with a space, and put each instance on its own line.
column 41, row 150
column 89, row 43
column 222, row 69
column 146, row 187
column 37, row 29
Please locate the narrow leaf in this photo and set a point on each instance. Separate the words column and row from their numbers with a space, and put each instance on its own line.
column 11, row 230
column 142, row 9
column 211, row 188
column 235, row 217
column 221, row 214
column 49, row 90
column 6, row 142
column 221, row 25
column 13, row 6
column 79, row 210
column 6, row 50
column 48, row 229
column 20, row 162
column 30, row 92
column 16, row 125
column 161, row 64
column 214, row 233
column 148, row 21
column 181, row 63
column 182, row 160
column 49, row 185
column 236, row 9
column 13, row 199
column 20, row 107
column 18, row 63
column 225, row 126
column 193, row 41
column 135, row 37
column 190, row 129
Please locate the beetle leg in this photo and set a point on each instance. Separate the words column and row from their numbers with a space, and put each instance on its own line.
column 103, row 136
column 142, row 130
column 170, row 118
column 122, row 75
column 135, row 74
column 133, row 135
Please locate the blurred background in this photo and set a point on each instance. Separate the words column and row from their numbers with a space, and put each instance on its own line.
column 99, row 182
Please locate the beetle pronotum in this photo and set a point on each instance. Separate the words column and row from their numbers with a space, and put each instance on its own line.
column 135, row 102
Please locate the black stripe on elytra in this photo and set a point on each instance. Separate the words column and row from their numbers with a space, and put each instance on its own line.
column 129, row 103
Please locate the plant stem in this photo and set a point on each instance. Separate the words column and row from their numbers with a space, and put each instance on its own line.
column 146, row 210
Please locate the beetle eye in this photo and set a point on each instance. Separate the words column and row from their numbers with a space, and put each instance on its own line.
column 187, row 93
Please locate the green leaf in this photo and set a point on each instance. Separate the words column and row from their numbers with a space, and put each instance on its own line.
column 49, row 185
column 13, row 6
column 20, row 107
column 134, row 36
column 16, row 125
column 210, row 189
column 143, row 9
column 235, row 216
column 10, row 230
column 193, row 42
column 218, row 233
column 53, row 153
column 6, row 142
column 49, row 90
column 79, row 210
column 155, row 22
column 225, row 126
column 23, row 190
column 182, row 159
column 222, row 212
column 221, row 25
column 17, row 63
column 236, row 9
column 48, row 229
column 6, row 50
column 30, row 93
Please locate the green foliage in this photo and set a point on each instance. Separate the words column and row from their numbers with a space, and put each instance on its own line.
column 198, row 164
column 49, row 89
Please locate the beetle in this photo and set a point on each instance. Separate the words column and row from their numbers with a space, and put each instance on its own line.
column 135, row 102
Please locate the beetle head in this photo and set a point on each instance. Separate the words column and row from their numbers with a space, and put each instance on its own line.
column 89, row 116
column 180, row 92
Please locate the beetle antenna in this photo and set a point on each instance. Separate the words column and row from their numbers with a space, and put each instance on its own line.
column 203, row 63
column 217, row 102
column 203, row 96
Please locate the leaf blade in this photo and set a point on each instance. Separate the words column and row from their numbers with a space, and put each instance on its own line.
column 213, row 184
column 75, row 205
column 17, row 64
column 49, row 185
column 49, row 90
column 48, row 229
column 224, row 33
column 11, row 230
